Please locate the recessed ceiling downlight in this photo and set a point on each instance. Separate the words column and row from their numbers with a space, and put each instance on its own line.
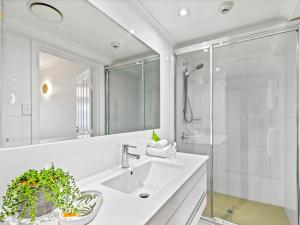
column 183, row 12
column 225, row 7
column 45, row 12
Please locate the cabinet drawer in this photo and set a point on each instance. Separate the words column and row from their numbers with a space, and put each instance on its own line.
column 192, row 204
column 198, row 213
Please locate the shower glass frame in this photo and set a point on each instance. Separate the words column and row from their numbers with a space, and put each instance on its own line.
column 108, row 69
column 231, row 40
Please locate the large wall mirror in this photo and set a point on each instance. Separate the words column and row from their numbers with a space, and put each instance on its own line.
column 69, row 72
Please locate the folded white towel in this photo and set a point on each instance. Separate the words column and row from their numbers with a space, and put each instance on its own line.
column 164, row 152
column 158, row 144
column 173, row 150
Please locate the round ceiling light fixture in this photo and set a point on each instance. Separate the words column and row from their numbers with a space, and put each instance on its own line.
column 183, row 12
column 225, row 7
column 45, row 11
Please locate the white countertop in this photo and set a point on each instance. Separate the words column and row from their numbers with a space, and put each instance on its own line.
column 119, row 208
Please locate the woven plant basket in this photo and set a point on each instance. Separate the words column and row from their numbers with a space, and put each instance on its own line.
column 43, row 207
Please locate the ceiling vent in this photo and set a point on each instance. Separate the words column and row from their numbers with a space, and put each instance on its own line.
column 45, row 11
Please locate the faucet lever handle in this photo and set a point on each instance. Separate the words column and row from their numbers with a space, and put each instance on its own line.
column 126, row 147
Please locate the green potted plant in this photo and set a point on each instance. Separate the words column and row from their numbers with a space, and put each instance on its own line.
column 37, row 193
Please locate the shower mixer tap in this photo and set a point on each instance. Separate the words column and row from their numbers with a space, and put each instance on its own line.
column 184, row 136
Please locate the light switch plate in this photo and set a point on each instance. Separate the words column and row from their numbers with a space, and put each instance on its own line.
column 26, row 109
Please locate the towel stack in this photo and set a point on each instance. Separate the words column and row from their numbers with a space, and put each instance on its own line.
column 161, row 149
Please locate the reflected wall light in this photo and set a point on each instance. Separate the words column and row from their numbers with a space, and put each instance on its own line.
column 46, row 89
column 13, row 99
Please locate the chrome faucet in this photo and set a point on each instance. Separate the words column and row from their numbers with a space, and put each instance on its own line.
column 126, row 154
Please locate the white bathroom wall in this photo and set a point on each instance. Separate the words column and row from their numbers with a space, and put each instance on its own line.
column 89, row 156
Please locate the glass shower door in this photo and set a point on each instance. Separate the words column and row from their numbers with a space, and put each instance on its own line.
column 255, row 131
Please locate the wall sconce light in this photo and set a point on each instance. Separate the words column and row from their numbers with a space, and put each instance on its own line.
column 46, row 89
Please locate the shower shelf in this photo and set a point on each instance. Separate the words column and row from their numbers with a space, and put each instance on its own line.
column 205, row 139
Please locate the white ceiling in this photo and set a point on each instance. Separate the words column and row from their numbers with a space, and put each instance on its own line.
column 204, row 20
column 89, row 27
column 83, row 24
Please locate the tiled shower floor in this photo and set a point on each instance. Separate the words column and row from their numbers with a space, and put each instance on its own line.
column 246, row 212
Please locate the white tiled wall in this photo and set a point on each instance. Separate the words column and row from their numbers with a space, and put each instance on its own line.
column 89, row 156
column 16, row 94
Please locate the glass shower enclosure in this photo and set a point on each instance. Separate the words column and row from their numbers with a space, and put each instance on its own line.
column 237, row 102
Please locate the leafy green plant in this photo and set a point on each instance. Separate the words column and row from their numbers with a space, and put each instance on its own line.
column 22, row 196
column 155, row 136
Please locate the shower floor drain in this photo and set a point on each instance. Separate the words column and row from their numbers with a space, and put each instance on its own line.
column 144, row 195
column 230, row 211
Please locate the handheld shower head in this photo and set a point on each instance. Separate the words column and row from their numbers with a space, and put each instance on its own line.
column 187, row 104
column 197, row 67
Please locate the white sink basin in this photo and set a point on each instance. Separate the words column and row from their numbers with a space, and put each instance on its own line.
column 149, row 178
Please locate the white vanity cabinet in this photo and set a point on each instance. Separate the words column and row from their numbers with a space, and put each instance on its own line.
column 187, row 204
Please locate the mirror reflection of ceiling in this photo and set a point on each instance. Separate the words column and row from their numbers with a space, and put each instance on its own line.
column 82, row 24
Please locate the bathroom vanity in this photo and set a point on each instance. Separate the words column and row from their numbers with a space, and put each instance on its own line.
column 152, row 191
